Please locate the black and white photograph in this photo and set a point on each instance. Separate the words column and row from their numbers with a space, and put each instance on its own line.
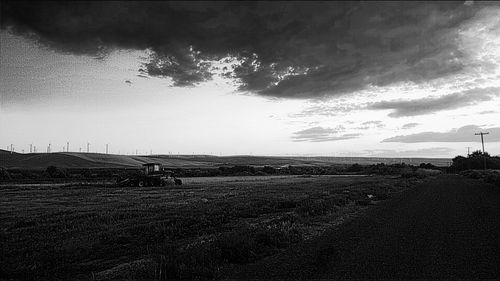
column 249, row 140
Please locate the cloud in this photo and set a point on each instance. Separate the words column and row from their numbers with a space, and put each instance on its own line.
column 403, row 108
column 371, row 124
column 424, row 152
column 327, row 110
column 289, row 50
column 488, row 112
column 409, row 125
column 320, row 134
column 463, row 134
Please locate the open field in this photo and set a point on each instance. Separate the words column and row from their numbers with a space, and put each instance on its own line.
column 197, row 231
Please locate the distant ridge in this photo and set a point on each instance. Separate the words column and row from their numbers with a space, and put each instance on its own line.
column 99, row 160
column 4, row 152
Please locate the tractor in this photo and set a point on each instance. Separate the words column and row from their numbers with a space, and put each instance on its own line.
column 153, row 175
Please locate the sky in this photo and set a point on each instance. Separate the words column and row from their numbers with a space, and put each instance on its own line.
column 375, row 79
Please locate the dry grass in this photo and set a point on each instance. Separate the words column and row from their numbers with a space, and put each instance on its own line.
column 194, row 231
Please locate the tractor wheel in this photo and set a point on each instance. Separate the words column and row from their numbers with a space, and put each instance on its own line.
column 140, row 184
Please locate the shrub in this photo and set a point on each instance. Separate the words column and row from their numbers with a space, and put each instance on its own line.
column 492, row 177
column 475, row 160
column 4, row 174
column 355, row 168
column 269, row 170
column 310, row 207
column 55, row 172
column 408, row 173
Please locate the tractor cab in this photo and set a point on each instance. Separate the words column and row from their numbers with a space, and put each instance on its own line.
column 152, row 169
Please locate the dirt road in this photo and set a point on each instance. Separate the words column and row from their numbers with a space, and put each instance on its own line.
column 448, row 227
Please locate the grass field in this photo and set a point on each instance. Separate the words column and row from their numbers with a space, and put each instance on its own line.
column 197, row 231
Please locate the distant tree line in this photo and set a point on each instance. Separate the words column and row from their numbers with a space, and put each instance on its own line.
column 57, row 174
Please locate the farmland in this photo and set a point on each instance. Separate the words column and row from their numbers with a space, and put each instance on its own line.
column 200, row 230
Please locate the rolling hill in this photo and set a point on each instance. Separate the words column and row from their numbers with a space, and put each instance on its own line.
column 97, row 160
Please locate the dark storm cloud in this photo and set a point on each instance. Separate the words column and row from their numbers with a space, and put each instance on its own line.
column 463, row 134
column 403, row 108
column 282, row 49
column 320, row 134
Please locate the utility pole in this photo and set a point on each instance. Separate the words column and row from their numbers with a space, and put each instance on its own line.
column 67, row 146
column 482, row 142
column 468, row 151
column 31, row 147
column 106, row 148
column 11, row 148
column 88, row 147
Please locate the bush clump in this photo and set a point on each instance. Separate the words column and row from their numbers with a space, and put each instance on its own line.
column 475, row 161
column 4, row 174
column 488, row 176
column 55, row 172
column 318, row 207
